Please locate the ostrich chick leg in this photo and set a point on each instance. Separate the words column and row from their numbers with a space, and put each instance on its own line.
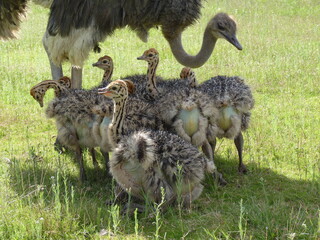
column 216, row 175
column 207, row 150
column 79, row 157
column 94, row 159
column 238, row 141
column 106, row 160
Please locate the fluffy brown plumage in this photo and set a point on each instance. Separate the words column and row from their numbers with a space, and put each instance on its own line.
column 60, row 87
column 72, row 110
column 75, row 120
column 234, row 100
column 146, row 161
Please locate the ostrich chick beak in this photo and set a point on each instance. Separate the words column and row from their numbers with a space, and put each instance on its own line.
column 104, row 91
column 141, row 57
column 95, row 64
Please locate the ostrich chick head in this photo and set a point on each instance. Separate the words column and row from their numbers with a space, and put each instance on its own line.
column 104, row 63
column 189, row 75
column 118, row 89
column 149, row 55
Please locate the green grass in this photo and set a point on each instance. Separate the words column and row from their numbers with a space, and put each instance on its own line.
column 41, row 197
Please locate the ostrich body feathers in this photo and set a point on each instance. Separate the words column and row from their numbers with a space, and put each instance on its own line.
column 11, row 14
column 77, row 26
column 146, row 161
column 234, row 100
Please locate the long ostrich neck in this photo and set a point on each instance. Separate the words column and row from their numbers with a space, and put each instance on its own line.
column 116, row 126
column 45, row 85
column 192, row 80
column 107, row 75
column 151, row 75
column 208, row 44
column 57, row 89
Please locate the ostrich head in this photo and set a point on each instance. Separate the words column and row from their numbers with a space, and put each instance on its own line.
column 38, row 91
column 118, row 89
column 220, row 26
column 65, row 81
column 189, row 75
column 185, row 72
column 104, row 63
column 150, row 55
column 223, row 26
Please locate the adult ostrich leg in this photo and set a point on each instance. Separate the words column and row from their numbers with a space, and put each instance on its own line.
column 56, row 70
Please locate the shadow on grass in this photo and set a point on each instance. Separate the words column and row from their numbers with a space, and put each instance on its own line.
column 272, row 204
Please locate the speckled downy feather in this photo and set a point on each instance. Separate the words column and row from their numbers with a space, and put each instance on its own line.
column 229, row 92
column 61, row 86
column 145, row 161
column 234, row 100
column 149, row 87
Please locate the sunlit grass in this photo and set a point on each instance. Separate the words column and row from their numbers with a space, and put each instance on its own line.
column 41, row 197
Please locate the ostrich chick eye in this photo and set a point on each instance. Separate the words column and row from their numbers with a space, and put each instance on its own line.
column 150, row 55
column 114, row 88
column 104, row 61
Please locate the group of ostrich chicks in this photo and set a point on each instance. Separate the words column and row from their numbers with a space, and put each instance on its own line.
column 153, row 127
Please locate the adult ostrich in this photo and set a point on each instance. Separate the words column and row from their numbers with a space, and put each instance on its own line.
column 11, row 14
column 77, row 26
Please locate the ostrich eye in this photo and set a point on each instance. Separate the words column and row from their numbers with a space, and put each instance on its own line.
column 221, row 27
column 114, row 88
column 104, row 61
column 150, row 55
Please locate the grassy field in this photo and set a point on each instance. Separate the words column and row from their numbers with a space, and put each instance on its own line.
column 41, row 197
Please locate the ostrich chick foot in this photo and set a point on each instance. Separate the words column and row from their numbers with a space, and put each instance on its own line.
column 220, row 180
column 242, row 169
column 130, row 208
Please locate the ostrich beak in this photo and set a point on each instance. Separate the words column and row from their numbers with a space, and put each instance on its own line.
column 95, row 64
column 104, row 91
column 234, row 41
column 141, row 57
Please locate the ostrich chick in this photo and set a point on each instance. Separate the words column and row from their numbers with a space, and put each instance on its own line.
column 234, row 100
column 189, row 75
column 183, row 111
column 105, row 63
column 173, row 95
column 72, row 112
column 146, row 161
